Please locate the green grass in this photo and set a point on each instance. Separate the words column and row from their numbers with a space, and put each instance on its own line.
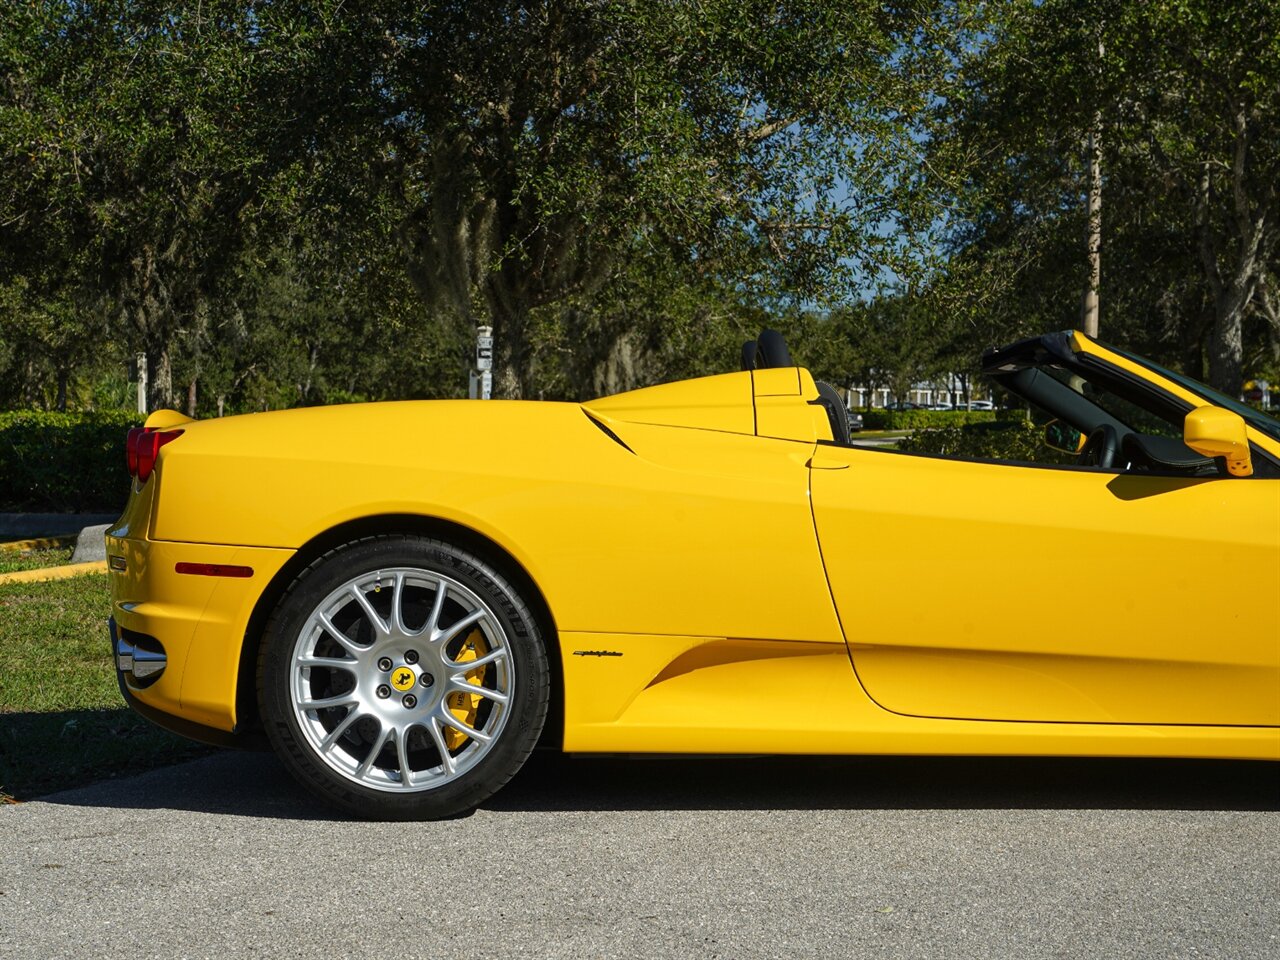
column 12, row 561
column 63, row 722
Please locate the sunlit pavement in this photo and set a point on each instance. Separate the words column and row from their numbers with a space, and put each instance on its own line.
column 795, row 857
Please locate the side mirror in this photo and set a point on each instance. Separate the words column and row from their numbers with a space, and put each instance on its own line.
column 1063, row 437
column 1216, row 432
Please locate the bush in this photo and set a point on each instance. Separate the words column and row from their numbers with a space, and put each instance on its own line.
column 923, row 419
column 64, row 461
column 1021, row 440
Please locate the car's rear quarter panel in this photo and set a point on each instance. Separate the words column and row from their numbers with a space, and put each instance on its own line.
column 199, row 620
column 695, row 532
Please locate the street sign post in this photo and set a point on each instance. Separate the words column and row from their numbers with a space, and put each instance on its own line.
column 484, row 361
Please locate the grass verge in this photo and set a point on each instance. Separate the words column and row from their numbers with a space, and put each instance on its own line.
column 33, row 558
column 62, row 720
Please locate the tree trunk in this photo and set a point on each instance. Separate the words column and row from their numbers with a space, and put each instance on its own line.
column 304, row 389
column 511, row 355
column 29, row 384
column 620, row 370
column 1094, row 242
column 1226, row 345
column 159, row 377
column 1270, row 310
column 1233, row 265
column 191, row 398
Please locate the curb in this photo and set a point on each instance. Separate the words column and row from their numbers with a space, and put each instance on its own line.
column 40, row 543
column 91, row 544
column 54, row 573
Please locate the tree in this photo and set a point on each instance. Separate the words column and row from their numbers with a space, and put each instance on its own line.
column 141, row 145
column 893, row 341
column 1186, row 92
column 1208, row 113
column 537, row 149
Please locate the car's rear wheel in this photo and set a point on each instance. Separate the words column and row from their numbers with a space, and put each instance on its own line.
column 403, row 678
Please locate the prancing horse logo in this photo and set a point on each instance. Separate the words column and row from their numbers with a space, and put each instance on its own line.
column 402, row 679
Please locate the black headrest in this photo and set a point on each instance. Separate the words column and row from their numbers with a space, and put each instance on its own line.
column 766, row 351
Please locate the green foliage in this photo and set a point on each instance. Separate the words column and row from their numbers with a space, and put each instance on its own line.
column 1019, row 439
column 306, row 200
column 1184, row 96
column 143, row 153
column 894, row 341
column 64, row 461
column 925, row 419
column 539, row 151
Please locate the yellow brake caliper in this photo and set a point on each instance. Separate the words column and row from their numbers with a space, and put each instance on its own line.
column 466, row 706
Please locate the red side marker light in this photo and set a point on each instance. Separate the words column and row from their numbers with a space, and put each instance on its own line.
column 214, row 570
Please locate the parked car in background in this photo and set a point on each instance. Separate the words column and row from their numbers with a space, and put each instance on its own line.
column 855, row 421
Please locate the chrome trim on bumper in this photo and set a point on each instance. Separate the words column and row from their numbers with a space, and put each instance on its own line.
column 138, row 664
column 251, row 740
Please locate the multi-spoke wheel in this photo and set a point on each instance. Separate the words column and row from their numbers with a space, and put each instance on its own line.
column 403, row 678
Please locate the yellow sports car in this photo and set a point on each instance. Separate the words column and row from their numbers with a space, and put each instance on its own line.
column 406, row 597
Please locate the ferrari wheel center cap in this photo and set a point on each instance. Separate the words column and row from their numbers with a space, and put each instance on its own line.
column 402, row 678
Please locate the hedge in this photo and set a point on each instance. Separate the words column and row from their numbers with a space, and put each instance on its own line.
column 922, row 419
column 64, row 461
column 1019, row 440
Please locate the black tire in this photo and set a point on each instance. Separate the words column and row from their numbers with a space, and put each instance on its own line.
column 286, row 685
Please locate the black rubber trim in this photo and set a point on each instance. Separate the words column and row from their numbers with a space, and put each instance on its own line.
column 837, row 413
column 1028, row 353
column 183, row 728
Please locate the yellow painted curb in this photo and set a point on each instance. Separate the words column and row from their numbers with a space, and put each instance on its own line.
column 54, row 573
column 40, row 543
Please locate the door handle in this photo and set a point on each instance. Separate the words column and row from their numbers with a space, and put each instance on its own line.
column 820, row 462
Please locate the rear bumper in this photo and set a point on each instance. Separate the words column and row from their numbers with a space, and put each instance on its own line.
column 167, row 721
column 179, row 637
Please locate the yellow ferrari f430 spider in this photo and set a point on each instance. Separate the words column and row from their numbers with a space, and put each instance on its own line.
column 405, row 597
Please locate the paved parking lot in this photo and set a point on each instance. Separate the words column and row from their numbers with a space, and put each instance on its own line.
column 790, row 857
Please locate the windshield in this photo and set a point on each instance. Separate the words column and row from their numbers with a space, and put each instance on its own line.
column 1255, row 418
column 1132, row 415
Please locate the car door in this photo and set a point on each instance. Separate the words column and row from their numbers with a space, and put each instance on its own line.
column 1088, row 596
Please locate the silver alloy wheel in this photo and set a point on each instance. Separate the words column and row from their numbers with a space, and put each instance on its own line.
column 401, row 679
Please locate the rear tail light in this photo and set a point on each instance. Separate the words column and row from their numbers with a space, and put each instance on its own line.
column 142, row 447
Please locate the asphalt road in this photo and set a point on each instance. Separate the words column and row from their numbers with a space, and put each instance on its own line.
column 808, row 857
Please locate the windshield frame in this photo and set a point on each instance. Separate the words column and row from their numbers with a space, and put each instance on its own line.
column 1255, row 418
